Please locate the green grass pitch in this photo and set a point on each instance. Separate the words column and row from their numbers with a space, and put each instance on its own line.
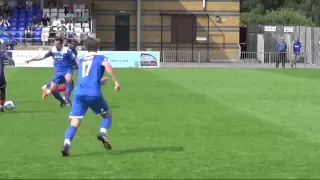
column 171, row 123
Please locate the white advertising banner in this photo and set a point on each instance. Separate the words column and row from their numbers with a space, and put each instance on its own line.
column 118, row 59
column 21, row 56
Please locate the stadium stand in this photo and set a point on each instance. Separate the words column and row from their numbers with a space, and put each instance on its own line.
column 32, row 25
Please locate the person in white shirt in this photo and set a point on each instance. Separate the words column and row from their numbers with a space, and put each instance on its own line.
column 56, row 24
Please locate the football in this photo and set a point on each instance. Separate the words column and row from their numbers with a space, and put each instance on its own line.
column 9, row 105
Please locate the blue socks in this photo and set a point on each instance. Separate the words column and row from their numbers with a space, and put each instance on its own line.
column 71, row 131
column 57, row 95
column 69, row 87
column 105, row 125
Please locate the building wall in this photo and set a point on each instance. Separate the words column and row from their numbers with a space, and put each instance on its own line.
column 224, row 35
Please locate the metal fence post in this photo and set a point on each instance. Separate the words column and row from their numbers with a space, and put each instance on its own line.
column 199, row 59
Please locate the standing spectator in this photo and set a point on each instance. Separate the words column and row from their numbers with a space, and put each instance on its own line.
column 296, row 49
column 282, row 50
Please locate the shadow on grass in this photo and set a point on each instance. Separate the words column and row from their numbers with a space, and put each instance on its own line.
column 135, row 150
column 30, row 111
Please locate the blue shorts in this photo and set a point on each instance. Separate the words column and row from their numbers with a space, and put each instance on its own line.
column 81, row 104
column 59, row 77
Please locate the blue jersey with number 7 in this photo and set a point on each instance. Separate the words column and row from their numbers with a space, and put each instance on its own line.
column 90, row 72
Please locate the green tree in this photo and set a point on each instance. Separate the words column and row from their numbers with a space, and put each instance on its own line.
column 283, row 16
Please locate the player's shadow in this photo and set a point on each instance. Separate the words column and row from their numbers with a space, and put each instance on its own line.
column 135, row 150
column 31, row 111
column 115, row 106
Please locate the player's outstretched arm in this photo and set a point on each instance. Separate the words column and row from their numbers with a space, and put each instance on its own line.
column 40, row 57
column 108, row 68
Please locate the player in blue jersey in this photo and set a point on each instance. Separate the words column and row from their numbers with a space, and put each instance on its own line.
column 88, row 94
column 63, row 63
column 72, row 44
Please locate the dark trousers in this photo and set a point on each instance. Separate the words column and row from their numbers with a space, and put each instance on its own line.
column 282, row 57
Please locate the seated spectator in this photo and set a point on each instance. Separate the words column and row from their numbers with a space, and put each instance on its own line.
column 35, row 21
column 21, row 3
column 45, row 21
column 69, row 32
column 77, row 17
column 28, row 34
column 6, row 17
column 56, row 24
column 67, row 8
column 69, row 23
column 61, row 31
column 11, row 43
column 28, row 4
column 6, row 11
column 4, row 25
column 52, row 4
column 52, row 34
column 69, row 15
column 85, row 16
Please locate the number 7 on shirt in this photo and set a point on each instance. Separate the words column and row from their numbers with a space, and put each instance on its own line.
column 86, row 65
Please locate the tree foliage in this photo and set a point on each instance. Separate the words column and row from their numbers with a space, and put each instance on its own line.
column 284, row 12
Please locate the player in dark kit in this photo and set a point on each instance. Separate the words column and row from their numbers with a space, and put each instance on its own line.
column 3, row 83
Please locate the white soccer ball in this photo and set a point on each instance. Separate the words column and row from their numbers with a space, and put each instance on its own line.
column 9, row 105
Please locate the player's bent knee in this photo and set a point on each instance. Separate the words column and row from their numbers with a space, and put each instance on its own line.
column 75, row 122
column 53, row 86
column 68, row 77
column 107, row 114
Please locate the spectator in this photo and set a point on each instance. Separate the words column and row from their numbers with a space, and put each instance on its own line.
column 28, row 4
column 282, row 50
column 69, row 23
column 45, row 21
column 61, row 31
column 6, row 11
column 52, row 34
column 69, row 32
column 52, row 4
column 77, row 17
column 11, row 43
column 68, row 8
column 21, row 3
column 85, row 16
column 35, row 21
column 69, row 15
column 28, row 34
column 56, row 24
column 296, row 49
column 4, row 24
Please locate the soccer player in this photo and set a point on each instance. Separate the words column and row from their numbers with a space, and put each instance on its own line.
column 88, row 94
column 63, row 64
column 3, row 82
column 72, row 44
